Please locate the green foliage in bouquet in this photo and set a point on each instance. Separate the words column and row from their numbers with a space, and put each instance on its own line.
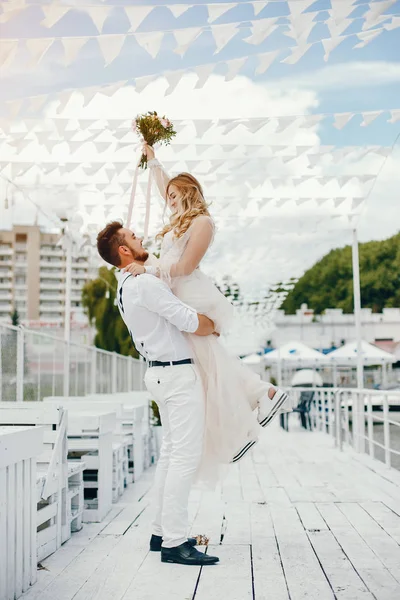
column 153, row 129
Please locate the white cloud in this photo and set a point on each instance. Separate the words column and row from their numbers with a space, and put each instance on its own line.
column 343, row 76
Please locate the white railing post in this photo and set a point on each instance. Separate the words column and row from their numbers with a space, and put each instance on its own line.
column 20, row 365
column 114, row 372
column 93, row 368
column 371, row 446
column 67, row 361
column 338, row 419
column 386, row 430
column 130, row 367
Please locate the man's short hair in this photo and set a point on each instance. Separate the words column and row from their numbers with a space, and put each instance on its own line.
column 108, row 242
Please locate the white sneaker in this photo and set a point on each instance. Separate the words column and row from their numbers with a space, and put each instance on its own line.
column 243, row 451
column 269, row 408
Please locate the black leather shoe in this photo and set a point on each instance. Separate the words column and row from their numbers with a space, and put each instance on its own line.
column 185, row 554
column 156, row 541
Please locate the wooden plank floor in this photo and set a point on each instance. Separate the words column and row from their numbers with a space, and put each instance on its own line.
column 296, row 520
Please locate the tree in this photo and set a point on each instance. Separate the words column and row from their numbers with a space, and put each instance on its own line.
column 15, row 318
column 329, row 283
column 99, row 302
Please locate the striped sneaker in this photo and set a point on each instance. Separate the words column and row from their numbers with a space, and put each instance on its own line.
column 271, row 407
column 243, row 451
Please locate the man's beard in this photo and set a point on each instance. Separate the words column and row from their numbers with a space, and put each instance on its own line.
column 142, row 257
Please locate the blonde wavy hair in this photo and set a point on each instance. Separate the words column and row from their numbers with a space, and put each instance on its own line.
column 192, row 202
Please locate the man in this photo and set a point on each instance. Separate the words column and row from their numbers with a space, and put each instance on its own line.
column 156, row 319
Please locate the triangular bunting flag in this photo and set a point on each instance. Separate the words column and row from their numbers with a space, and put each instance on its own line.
column 372, row 15
column 356, row 202
column 217, row 10
column 185, row 37
column 136, row 15
column 265, row 60
column 38, row 48
column 342, row 10
column 8, row 50
column 72, row 46
column 98, row 14
column 203, row 72
column 341, row 119
column 178, row 9
column 151, row 42
column 344, row 180
column 255, row 125
column 202, row 126
column 297, row 7
column 394, row 24
column 260, row 30
column 234, row 67
column 53, row 13
column 284, row 123
column 394, row 116
column 223, row 34
column 366, row 37
column 321, row 201
column 336, row 29
column 173, row 79
column 370, row 116
column 300, row 201
column 297, row 53
column 330, row 44
column 110, row 46
column 258, row 7
column 142, row 82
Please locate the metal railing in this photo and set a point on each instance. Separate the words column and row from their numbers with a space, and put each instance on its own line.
column 366, row 420
column 32, row 366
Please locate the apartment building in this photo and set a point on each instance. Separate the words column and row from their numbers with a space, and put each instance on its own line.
column 32, row 275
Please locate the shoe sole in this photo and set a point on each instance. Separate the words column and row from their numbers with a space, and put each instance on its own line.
column 191, row 564
column 274, row 411
column 243, row 451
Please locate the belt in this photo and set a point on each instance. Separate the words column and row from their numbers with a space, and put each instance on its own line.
column 158, row 363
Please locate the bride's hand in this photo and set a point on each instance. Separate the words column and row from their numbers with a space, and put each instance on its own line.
column 134, row 269
column 148, row 151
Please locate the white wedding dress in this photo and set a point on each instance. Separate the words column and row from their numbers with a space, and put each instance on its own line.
column 232, row 390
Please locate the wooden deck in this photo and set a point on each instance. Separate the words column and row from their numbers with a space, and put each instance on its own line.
column 297, row 519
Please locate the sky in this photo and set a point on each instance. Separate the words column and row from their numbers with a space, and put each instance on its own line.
column 260, row 239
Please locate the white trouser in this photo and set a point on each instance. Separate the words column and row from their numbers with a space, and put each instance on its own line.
column 178, row 392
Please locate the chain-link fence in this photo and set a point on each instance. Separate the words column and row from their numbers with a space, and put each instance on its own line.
column 35, row 365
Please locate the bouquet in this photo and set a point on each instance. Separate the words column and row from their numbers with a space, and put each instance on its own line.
column 153, row 129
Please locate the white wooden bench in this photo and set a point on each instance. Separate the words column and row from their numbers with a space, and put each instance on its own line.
column 19, row 447
column 56, row 480
column 90, row 438
column 132, row 428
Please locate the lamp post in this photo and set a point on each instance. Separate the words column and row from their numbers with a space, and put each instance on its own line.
column 67, row 309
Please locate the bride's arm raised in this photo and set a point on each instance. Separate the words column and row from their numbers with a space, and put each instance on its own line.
column 159, row 174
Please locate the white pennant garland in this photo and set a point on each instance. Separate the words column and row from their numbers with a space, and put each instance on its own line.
column 375, row 10
column 260, row 30
column 185, row 37
column 342, row 119
column 297, row 53
column 38, row 48
column 367, row 36
column 223, row 34
column 217, row 10
column 53, row 13
column 265, row 60
column 8, row 50
column 234, row 66
column 258, row 7
column 98, row 14
column 136, row 15
column 203, row 72
column 370, row 116
column 173, row 79
column 330, row 44
column 110, row 46
column 72, row 47
column 178, row 10
column 297, row 7
column 151, row 42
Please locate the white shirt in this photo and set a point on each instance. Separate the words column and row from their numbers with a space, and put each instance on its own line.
column 155, row 317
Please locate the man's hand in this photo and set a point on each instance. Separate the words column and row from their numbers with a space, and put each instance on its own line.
column 134, row 269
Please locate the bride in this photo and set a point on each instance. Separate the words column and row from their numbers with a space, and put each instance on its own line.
column 233, row 391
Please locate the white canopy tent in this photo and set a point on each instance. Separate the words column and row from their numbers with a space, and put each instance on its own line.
column 371, row 355
column 294, row 354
